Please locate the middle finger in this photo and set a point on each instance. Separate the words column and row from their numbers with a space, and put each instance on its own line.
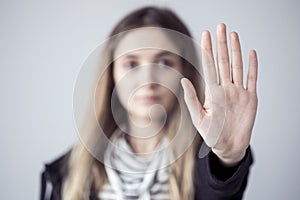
column 222, row 55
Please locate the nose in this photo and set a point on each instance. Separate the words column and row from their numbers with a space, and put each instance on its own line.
column 148, row 74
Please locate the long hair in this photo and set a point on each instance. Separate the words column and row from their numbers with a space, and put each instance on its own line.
column 85, row 171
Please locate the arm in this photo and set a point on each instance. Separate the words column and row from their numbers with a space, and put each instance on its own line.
column 214, row 181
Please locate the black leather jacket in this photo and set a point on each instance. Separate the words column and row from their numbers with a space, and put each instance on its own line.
column 212, row 181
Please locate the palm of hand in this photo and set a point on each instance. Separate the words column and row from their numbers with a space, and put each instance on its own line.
column 225, row 120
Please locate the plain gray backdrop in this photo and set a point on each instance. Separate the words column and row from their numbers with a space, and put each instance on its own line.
column 43, row 44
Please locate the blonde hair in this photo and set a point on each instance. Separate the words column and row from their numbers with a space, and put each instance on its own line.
column 85, row 171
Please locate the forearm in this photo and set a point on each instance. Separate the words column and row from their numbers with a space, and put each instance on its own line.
column 215, row 181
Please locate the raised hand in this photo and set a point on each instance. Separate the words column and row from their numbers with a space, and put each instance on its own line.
column 225, row 120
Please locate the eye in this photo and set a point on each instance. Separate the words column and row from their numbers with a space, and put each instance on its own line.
column 130, row 64
column 165, row 63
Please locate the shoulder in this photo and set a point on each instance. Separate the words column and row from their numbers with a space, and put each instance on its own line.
column 58, row 166
column 53, row 175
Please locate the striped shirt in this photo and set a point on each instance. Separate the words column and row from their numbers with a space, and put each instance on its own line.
column 135, row 177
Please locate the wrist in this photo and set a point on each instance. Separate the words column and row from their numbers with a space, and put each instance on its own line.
column 229, row 160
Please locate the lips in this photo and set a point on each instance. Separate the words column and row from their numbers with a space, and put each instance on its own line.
column 148, row 99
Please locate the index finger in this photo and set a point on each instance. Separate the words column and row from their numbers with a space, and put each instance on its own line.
column 208, row 64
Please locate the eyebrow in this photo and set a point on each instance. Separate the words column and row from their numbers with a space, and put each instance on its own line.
column 160, row 54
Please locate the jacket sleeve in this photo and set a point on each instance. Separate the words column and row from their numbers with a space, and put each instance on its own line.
column 215, row 182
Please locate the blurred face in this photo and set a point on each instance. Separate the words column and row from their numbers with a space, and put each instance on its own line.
column 147, row 72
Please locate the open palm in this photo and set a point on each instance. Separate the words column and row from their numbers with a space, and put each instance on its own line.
column 225, row 120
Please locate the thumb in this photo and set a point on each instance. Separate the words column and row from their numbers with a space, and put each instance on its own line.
column 190, row 97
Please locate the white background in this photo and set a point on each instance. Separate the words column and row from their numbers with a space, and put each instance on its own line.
column 43, row 43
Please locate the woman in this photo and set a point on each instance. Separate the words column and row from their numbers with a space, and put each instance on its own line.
column 154, row 155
